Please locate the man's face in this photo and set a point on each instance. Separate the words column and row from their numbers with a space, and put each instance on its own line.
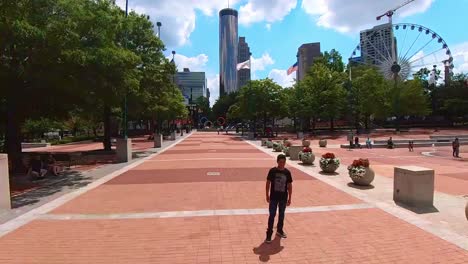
column 281, row 163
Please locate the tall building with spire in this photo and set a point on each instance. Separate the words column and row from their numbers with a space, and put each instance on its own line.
column 243, row 75
column 228, row 51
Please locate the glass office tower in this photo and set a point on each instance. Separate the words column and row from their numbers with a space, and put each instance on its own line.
column 228, row 42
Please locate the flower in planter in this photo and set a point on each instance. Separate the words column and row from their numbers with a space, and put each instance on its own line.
column 306, row 149
column 358, row 168
column 277, row 146
column 329, row 159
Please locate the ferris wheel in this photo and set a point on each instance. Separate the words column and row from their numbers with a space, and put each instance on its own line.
column 400, row 50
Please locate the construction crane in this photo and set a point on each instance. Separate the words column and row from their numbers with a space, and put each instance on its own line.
column 390, row 13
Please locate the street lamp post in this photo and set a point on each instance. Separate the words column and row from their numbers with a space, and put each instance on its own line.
column 173, row 88
column 125, row 125
column 159, row 24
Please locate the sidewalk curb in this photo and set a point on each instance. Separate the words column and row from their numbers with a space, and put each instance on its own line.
column 29, row 216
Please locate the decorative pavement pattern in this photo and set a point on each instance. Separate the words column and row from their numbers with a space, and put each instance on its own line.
column 203, row 201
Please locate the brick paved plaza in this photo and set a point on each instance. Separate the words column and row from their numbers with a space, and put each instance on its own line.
column 203, row 201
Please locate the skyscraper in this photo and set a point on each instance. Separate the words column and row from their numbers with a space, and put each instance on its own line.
column 192, row 85
column 228, row 43
column 244, row 55
column 305, row 58
column 376, row 44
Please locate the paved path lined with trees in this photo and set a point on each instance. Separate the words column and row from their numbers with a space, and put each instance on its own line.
column 202, row 201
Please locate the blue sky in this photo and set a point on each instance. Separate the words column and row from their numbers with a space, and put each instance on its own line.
column 275, row 29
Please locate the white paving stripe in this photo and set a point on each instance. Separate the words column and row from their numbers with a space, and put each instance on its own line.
column 226, row 212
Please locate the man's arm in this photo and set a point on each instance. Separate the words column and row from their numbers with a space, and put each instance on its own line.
column 267, row 190
column 289, row 193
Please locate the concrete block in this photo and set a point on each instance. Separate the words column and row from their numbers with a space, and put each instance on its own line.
column 294, row 152
column 5, row 202
column 414, row 186
column 158, row 139
column 124, row 150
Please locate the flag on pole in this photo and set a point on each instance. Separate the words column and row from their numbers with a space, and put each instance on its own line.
column 243, row 65
column 292, row 69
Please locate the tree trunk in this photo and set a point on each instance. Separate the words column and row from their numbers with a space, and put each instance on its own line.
column 265, row 123
column 14, row 121
column 13, row 136
column 107, row 129
column 332, row 124
column 366, row 122
column 314, row 123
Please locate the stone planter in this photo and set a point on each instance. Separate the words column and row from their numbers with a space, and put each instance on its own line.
column 307, row 158
column 305, row 143
column 294, row 152
column 277, row 147
column 331, row 168
column 286, row 151
column 300, row 135
column 366, row 179
column 466, row 211
column 269, row 144
column 323, row 143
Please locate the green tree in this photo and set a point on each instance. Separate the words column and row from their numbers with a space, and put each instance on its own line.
column 332, row 60
column 35, row 74
column 223, row 103
column 367, row 94
column 324, row 92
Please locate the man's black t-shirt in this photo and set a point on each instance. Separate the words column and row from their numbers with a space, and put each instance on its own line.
column 279, row 183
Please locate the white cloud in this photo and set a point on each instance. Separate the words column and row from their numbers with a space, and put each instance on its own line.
column 282, row 78
column 265, row 10
column 268, row 26
column 177, row 16
column 259, row 64
column 460, row 57
column 196, row 63
column 352, row 16
column 213, row 85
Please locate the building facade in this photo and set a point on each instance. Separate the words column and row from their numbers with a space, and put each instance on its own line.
column 243, row 75
column 228, row 51
column 305, row 58
column 192, row 85
column 376, row 44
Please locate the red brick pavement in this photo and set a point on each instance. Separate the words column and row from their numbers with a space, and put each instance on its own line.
column 178, row 180
column 355, row 236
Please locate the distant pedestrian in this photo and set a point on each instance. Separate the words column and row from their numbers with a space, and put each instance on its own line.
column 411, row 146
column 456, row 148
column 278, row 195
column 356, row 142
column 390, row 144
column 368, row 143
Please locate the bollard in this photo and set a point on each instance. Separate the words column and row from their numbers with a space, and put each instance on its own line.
column 124, row 150
column 158, row 139
column 5, row 202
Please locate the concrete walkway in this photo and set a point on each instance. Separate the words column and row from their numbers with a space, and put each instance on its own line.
column 202, row 201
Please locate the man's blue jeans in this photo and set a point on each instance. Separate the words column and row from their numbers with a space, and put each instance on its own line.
column 281, row 205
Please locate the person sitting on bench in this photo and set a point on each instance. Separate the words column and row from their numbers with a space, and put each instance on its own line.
column 390, row 143
column 38, row 169
column 52, row 165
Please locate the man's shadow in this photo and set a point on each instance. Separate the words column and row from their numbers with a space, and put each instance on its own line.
column 264, row 250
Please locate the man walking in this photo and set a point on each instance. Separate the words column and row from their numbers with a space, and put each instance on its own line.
column 456, row 148
column 278, row 195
